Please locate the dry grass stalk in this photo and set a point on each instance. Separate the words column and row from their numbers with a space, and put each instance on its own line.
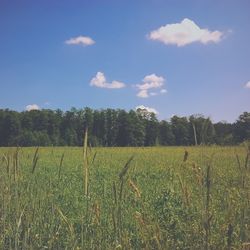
column 64, row 218
column 139, row 219
column 97, row 213
column 93, row 160
column 85, row 163
column 185, row 192
column 7, row 161
column 34, row 161
column 115, row 193
column 246, row 246
column 134, row 188
column 208, row 216
column 125, row 168
column 150, row 232
column 198, row 174
column 243, row 169
column 60, row 166
column 185, row 156
column 229, row 236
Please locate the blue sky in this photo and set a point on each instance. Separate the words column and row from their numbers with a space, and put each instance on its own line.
column 177, row 57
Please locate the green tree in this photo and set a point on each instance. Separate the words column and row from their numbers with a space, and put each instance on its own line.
column 115, row 128
column 112, row 127
column 201, row 130
column 99, row 129
column 124, row 130
column 137, row 129
column 26, row 138
column 11, row 128
column 224, row 133
column 166, row 136
column 151, row 130
column 242, row 128
column 180, row 128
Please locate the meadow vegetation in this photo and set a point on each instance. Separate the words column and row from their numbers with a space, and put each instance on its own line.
column 125, row 198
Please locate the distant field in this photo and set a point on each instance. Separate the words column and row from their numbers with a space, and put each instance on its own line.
column 162, row 198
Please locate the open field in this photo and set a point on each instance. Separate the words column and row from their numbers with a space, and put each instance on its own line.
column 162, row 198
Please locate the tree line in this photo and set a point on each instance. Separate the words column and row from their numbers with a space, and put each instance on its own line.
column 116, row 127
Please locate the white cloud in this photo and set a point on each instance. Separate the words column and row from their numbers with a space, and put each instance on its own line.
column 80, row 40
column 149, row 82
column 163, row 91
column 150, row 110
column 100, row 81
column 184, row 33
column 247, row 85
column 32, row 107
column 143, row 94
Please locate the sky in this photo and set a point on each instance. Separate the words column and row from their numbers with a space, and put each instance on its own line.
column 173, row 57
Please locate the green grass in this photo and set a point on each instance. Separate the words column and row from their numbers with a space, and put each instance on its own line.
column 155, row 200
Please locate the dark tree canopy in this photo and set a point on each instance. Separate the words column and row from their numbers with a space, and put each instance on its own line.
column 110, row 127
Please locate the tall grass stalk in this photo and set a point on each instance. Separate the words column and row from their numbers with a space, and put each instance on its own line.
column 85, row 163
column 34, row 161
column 208, row 215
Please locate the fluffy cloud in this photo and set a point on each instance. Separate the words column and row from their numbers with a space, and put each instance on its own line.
column 247, row 85
column 149, row 82
column 80, row 40
column 32, row 107
column 184, row 33
column 143, row 94
column 100, row 81
column 150, row 110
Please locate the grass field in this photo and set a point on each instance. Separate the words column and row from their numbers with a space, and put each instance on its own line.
column 137, row 198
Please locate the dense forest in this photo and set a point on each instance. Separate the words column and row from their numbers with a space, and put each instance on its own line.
column 112, row 127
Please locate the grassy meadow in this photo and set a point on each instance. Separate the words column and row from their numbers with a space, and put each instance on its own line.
column 125, row 198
